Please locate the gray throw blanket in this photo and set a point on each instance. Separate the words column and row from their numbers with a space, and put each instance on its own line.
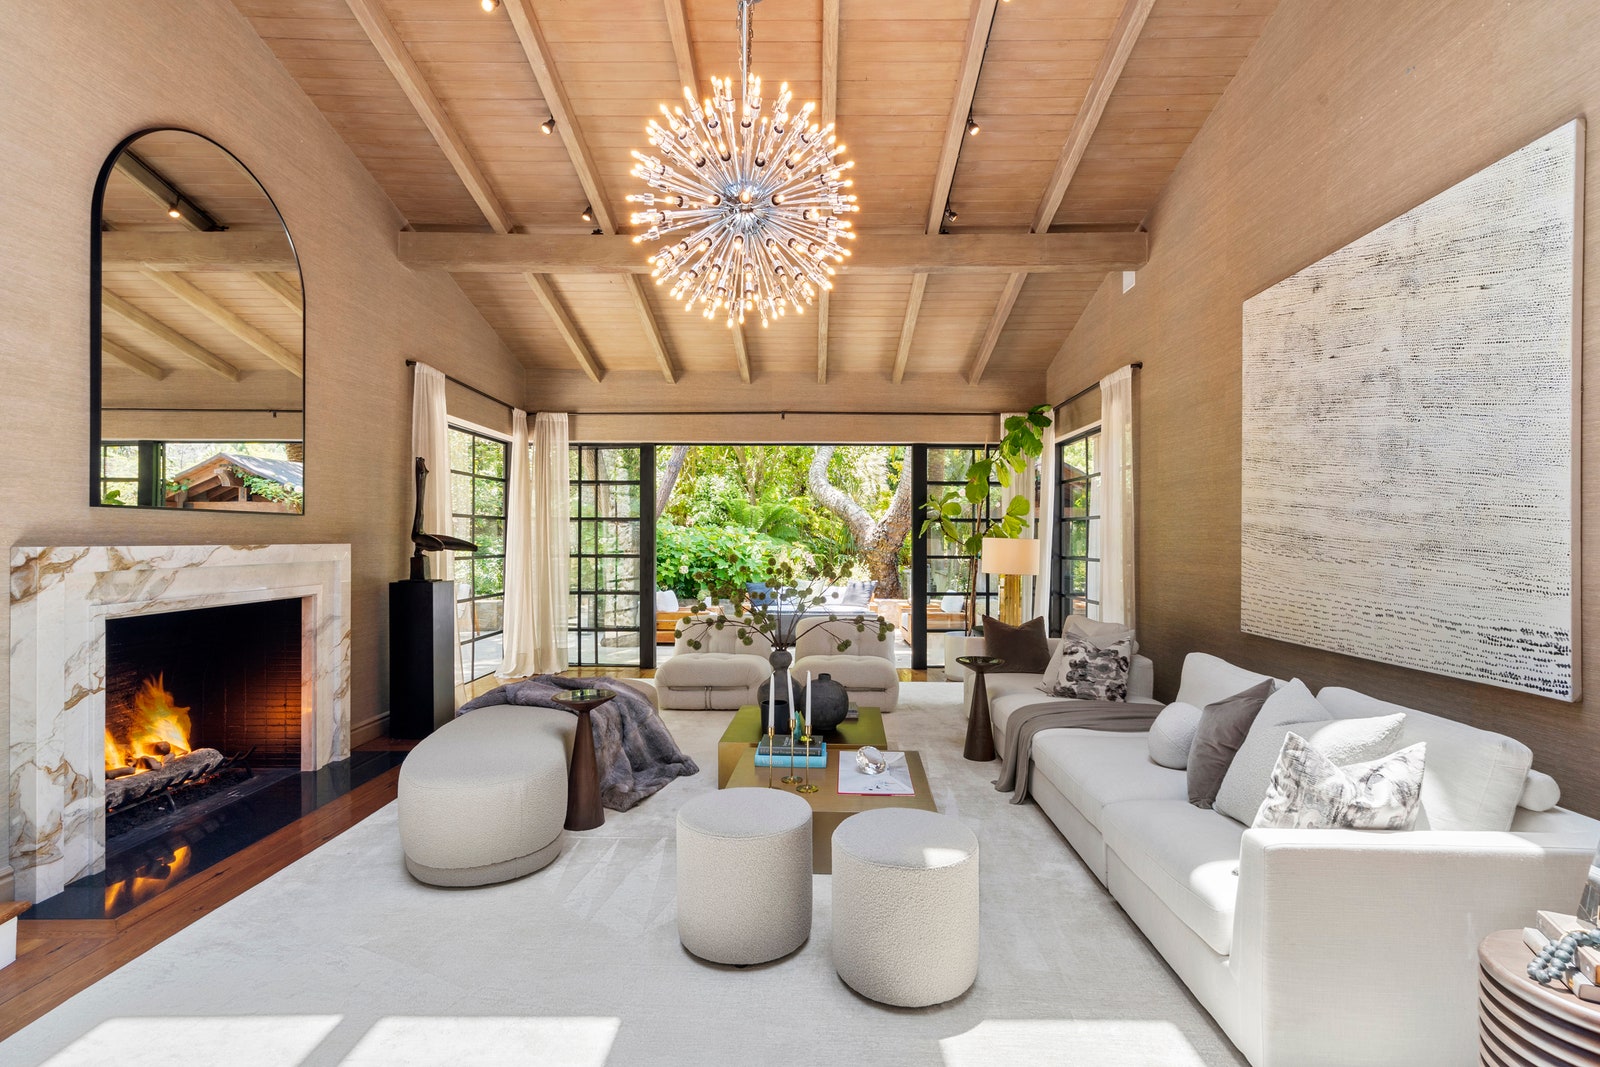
column 636, row 753
column 1016, row 755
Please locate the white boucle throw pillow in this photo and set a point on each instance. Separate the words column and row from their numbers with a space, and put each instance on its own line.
column 1172, row 735
column 1292, row 706
column 1309, row 791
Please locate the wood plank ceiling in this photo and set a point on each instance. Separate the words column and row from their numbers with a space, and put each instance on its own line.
column 1084, row 108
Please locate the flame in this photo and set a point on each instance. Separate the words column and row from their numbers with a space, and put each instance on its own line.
column 148, row 881
column 157, row 718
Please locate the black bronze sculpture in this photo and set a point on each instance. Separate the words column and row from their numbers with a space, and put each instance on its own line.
column 428, row 542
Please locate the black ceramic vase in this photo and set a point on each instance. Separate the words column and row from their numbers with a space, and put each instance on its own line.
column 780, row 660
column 830, row 703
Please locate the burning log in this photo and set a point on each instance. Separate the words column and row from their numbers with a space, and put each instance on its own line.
column 175, row 771
column 119, row 772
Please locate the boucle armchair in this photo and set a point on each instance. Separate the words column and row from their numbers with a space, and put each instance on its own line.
column 866, row 668
column 723, row 674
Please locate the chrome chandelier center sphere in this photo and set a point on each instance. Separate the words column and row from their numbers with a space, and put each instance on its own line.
column 752, row 204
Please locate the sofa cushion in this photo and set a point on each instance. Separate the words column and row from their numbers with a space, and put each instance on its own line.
column 1345, row 742
column 863, row 631
column 1186, row 856
column 1288, row 705
column 712, row 670
column 1207, row 679
column 1474, row 777
column 1224, row 724
column 1100, row 634
column 729, row 638
column 1540, row 792
column 1094, row 768
column 1172, row 735
column 863, row 676
column 1025, row 648
column 856, row 594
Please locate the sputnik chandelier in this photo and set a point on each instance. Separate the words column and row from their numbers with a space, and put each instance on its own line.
column 755, row 204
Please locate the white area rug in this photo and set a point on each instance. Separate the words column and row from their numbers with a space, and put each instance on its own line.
column 343, row 959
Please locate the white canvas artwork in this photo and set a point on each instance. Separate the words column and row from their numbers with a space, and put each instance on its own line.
column 1410, row 451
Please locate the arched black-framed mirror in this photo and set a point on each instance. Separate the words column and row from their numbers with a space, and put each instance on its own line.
column 197, row 334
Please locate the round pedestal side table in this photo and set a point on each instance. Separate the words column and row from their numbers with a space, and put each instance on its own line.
column 583, row 774
column 1521, row 1021
column 980, row 734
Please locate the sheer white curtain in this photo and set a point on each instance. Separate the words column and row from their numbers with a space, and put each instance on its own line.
column 1116, row 497
column 519, row 633
column 430, row 439
column 1044, row 517
column 551, row 542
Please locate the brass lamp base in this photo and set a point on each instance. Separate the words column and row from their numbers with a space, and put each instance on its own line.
column 1011, row 599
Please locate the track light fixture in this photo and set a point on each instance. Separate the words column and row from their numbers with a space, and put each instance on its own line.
column 173, row 211
column 972, row 126
column 489, row 6
column 548, row 126
column 950, row 214
column 588, row 213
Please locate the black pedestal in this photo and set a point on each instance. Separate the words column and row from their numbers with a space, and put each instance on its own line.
column 422, row 631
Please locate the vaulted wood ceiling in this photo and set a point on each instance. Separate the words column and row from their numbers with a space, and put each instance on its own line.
column 1085, row 108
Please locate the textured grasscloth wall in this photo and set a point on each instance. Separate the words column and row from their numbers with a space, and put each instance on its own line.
column 76, row 77
column 1345, row 115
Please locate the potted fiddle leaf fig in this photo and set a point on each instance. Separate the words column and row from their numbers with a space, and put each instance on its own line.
column 959, row 512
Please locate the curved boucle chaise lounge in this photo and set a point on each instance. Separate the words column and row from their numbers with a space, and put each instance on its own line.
column 482, row 798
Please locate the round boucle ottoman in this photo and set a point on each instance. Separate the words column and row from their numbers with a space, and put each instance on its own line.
column 483, row 797
column 744, row 875
column 905, row 906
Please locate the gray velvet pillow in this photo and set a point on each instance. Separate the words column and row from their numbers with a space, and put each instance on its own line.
column 1025, row 648
column 1223, row 727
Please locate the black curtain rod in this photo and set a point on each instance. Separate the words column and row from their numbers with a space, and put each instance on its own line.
column 1086, row 390
column 471, row 389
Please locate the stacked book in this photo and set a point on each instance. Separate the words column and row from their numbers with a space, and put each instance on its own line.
column 784, row 749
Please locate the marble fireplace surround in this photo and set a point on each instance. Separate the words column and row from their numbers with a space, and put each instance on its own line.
column 60, row 600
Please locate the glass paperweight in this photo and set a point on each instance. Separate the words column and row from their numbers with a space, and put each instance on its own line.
column 870, row 760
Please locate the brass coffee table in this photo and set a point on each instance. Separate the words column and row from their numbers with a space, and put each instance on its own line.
column 828, row 808
column 745, row 730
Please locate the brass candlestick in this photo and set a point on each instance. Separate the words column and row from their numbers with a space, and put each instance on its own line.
column 770, row 755
column 806, row 786
column 791, row 778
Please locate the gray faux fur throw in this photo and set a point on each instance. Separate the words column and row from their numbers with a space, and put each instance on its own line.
column 636, row 753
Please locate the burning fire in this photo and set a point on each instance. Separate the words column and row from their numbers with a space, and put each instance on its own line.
column 160, row 729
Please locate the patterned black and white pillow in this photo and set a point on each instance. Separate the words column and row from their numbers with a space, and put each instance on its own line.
column 1310, row 792
column 1090, row 673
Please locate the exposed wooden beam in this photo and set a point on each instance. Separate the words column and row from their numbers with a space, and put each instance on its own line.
column 229, row 320
column 569, row 333
column 997, row 323
column 275, row 284
column 830, row 115
column 1123, row 37
column 956, row 127
column 978, row 253
column 166, row 334
column 163, row 192
column 537, row 50
column 822, row 339
column 652, row 331
column 740, row 352
column 218, row 250
column 381, row 32
column 682, row 47
column 131, row 360
column 919, row 282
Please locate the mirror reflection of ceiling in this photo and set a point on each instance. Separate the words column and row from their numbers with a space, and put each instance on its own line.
column 203, row 311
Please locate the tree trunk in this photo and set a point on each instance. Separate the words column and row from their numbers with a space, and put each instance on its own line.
column 880, row 540
column 667, row 478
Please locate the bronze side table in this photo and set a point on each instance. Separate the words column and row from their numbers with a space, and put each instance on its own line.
column 584, row 811
column 980, row 733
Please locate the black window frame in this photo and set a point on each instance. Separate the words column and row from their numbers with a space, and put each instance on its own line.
column 468, row 525
column 585, row 634
column 1065, row 593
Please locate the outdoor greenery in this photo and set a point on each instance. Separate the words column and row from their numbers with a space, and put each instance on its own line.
column 958, row 512
column 738, row 514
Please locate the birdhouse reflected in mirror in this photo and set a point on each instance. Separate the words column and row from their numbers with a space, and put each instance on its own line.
column 198, row 349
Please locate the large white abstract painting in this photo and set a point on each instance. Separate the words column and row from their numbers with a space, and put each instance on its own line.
column 1410, row 450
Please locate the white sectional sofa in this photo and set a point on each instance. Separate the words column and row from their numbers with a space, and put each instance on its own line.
column 1319, row 947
